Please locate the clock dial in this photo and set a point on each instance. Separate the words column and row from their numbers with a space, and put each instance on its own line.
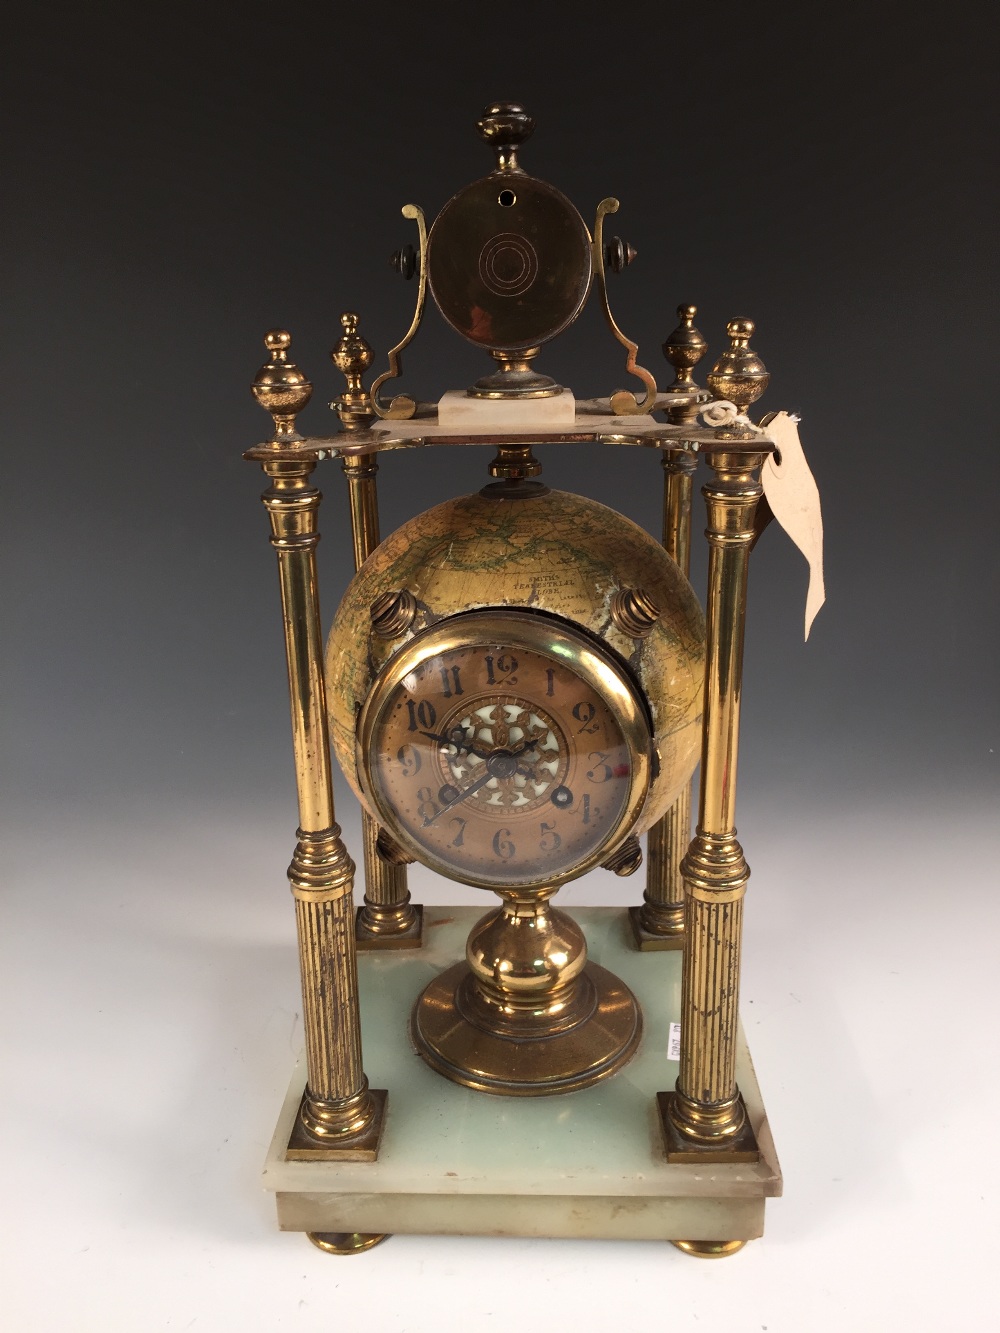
column 498, row 763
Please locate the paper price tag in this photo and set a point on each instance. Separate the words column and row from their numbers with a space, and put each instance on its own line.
column 793, row 495
column 674, row 1042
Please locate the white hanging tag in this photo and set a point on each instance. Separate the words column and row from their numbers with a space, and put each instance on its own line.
column 793, row 495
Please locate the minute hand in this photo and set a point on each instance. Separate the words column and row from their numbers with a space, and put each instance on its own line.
column 469, row 791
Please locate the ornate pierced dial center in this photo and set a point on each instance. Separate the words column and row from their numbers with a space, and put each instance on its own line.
column 518, row 745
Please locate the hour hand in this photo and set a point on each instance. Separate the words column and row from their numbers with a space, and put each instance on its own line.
column 468, row 791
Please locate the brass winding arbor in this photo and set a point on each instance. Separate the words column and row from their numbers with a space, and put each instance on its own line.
column 519, row 783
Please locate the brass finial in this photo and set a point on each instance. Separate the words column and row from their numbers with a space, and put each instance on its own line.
column 684, row 348
column 739, row 374
column 505, row 126
column 352, row 356
column 280, row 387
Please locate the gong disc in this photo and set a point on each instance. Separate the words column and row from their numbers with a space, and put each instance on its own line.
column 509, row 262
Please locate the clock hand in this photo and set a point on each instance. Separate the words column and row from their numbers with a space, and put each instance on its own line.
column 469, row 791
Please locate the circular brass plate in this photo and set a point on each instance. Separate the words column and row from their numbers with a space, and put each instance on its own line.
column 509, row 275
column 345, row 1242
column 519, row 1067
column 709, row 1249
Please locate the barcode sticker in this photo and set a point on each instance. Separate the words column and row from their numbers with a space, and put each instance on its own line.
column 674, row 1042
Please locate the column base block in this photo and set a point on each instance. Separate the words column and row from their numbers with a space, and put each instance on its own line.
column 588, row 1163
column 367, row 941
column 742, row 1148
column 300, row 1146
column 646, row 941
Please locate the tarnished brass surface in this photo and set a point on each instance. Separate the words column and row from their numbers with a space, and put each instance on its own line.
column 594, row 424
column 338, row 1107
column 551, row 553
column 706, row 1108
column 402, row 407
column 710, row 1249
column 345, row 1242
column 659, row 922
column 623, row 403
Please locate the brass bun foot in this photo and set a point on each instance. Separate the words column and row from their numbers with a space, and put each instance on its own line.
column 395, row 928
column 654, row 941
column 345, row 1242
column 709, row 1249
column 451, row 1037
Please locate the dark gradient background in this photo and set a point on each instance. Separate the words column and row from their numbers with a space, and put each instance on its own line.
column 181, row 178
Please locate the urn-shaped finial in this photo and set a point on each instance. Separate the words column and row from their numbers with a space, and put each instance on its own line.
column 279, row 386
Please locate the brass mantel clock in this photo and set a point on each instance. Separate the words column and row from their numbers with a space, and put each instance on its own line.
column 518, row 684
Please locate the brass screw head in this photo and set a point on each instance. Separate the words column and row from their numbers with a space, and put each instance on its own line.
column 279, row 386
column 634, row 612
column 392, row 613
column 739, row 375
column 627, row 859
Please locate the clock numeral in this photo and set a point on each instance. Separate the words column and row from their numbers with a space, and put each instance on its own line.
column 459, row 839
column 428, row 807
column 586, row 809
column 602, row 770
column 423, row 715
column 550, row 676
column 502, row 844
column 450, row 682
column 501, row 669
column 550, row 840
column 584, row 712
column 409, row 758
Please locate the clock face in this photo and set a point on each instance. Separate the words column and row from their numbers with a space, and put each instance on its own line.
column 507, row 760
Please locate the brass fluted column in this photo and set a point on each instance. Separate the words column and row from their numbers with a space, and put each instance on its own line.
column 706, row 1110
column 388, row 919
column 659, row 922
column 339, row 1115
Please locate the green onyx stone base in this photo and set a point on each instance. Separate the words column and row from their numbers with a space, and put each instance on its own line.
column 590, row 1163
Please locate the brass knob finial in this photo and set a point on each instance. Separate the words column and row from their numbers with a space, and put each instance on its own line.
column 352, row 356
column 505, row 126
column 279, row 386
column 739, row 375
column 618, row 254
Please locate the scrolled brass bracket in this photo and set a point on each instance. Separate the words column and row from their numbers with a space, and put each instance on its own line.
column 402, row 407
column 623, row 403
